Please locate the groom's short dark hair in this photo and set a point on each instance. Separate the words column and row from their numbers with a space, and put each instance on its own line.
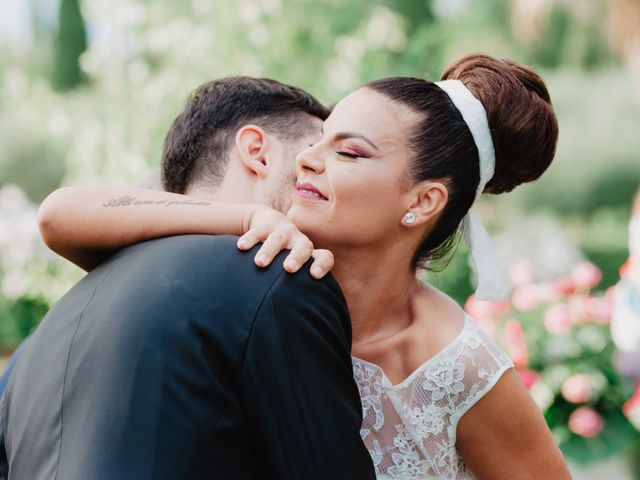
column 196, row 146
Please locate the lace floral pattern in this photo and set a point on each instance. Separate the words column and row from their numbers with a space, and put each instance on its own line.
column 371, row 390
column 410, row 428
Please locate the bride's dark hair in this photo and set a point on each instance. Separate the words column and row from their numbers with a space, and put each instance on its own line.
column 523, row 127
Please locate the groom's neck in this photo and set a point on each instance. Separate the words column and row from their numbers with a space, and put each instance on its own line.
column 224, row 193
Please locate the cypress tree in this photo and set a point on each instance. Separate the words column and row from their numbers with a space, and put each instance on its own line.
column 71, row 41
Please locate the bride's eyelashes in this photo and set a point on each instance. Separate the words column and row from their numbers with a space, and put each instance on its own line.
column 348, row 154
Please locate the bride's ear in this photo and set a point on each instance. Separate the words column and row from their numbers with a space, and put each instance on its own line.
column 425, row 203
column 252, row 144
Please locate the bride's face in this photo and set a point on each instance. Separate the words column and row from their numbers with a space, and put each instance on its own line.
column 353, row 185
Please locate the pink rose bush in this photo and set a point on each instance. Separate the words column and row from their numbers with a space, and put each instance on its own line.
column 557, row 334
column 585, row 422
column 558, row 319
column 516, row 345
column 631, row 408
column 586, row 276
column 577, row 388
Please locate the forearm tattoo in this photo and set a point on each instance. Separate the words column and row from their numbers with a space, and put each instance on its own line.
column 129, row 201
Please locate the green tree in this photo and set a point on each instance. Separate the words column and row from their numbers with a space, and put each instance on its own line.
column 71, row 42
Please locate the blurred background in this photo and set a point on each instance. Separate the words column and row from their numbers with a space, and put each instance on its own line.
column 89, row 88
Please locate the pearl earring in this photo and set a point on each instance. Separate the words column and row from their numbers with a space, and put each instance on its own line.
column 409, row 218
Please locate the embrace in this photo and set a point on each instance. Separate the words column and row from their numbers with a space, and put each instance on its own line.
column 261, row 317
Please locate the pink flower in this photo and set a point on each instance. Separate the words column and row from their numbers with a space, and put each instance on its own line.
column 586, row 275
column 558, row 319
column 483, row 309
column 521, row 271
column 577, row 388
column 546, row 293
column 516, row 346
column 528, row 377
column 632, row 406
column 563, row 286
column 600, row 309
column 578, row 303
column 525, row 298
column 586, row 422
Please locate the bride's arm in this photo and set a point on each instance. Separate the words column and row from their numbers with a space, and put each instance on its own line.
column 504, row 436
column 87, row 224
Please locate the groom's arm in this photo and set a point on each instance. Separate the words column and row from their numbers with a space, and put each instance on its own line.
column 299, row 394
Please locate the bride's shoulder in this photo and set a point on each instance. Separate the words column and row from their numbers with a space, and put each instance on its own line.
column 444, row 329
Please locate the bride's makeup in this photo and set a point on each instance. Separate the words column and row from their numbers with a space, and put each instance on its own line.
column 352, row 152
column 308, row 190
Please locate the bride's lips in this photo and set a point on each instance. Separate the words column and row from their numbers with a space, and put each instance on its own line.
column 307, row 190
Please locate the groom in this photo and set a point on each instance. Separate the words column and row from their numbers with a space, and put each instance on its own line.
column 179, row 358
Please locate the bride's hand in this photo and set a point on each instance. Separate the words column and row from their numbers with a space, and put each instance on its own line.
column 278, row 233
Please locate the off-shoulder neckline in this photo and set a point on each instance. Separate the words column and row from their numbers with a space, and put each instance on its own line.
column 468, row 321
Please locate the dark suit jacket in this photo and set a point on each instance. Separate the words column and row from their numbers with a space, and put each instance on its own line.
column 180, row 359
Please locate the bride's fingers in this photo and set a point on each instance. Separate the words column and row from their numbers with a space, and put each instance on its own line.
column 322, row 263
column 274, row 244
column 250, row 239
column 301, row 251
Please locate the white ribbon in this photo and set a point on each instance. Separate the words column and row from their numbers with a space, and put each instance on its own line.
column 634, row 238
column 490, row 282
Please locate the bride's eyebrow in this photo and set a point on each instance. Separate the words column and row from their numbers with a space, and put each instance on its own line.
column 345, row 135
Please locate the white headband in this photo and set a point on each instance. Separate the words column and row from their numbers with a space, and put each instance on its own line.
column 490, row 281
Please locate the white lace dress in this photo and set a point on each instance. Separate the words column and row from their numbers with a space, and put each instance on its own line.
column 410, row 428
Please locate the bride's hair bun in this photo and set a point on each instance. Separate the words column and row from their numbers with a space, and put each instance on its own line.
column 523, row 124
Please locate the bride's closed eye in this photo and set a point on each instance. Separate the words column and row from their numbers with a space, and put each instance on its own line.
column 348, row 154
column 351, row 152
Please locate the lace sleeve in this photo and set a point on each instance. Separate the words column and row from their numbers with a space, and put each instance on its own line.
column 483, row 364
column 451, row 384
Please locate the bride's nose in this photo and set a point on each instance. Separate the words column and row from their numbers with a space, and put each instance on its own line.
column 309, row 160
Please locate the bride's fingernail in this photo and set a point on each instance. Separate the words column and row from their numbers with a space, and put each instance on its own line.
column 261, row 259
column 316, row 271
column 290, row 264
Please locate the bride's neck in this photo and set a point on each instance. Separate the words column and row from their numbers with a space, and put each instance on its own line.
column 378, row 287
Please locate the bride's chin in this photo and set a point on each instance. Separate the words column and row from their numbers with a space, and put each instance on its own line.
column 300, row 215
column 305, row 224
column 316, row 230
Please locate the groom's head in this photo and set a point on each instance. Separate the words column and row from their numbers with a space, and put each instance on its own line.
column 238, row 137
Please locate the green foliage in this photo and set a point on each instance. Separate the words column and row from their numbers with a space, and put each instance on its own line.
column 71, row 42
column 572, row 36
column 34, row 163
column 549, row 50
column 19, row 318
column 455, row 277
column 617, row 436
column 609, row 261
column 603, row 239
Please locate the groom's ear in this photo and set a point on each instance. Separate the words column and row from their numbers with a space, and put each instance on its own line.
column 253, row 143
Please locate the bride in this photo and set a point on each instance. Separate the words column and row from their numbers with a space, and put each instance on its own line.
column 387, row 189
